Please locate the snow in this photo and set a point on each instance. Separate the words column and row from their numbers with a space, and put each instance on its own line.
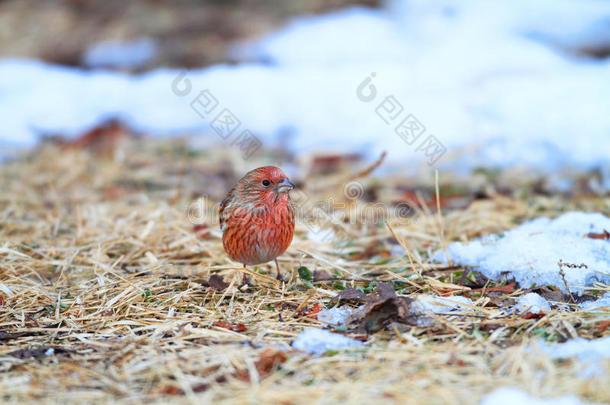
column 318, row 341
column 586, row 350
column 598, row 306
column 530, row 253
column 437, row 305
column 505, row 75
column 511, row 396
column 121, row 55
column 335, row 316
column 533, row 303
column 590, row 352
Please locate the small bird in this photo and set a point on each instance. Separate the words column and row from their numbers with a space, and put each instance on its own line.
column 257, row 218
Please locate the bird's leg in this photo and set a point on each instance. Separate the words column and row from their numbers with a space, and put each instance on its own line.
column 279, row 275
column 245, row 280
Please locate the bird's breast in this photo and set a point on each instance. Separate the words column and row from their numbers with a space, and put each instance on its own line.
column 258, row 234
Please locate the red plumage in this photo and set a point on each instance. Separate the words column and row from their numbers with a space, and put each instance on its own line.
column 256, row 217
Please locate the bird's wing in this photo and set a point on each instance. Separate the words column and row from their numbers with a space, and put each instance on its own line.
column 224, row 205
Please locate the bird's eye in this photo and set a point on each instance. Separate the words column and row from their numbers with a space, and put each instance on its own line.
column 266, row 183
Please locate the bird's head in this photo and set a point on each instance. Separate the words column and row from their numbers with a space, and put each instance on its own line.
column 267, row 184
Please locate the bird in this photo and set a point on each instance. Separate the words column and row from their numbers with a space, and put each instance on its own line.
column 257, row 218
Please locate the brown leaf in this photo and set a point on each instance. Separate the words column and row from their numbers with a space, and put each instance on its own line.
column 381, row 308
column 269, row 360
column 532, row 315
column 265, row 365
column 503, row 289
column 350, row 294
column 603, row 326
column 170, row 390
column 240, row 327
column 551, row 294
column 321, row 275
column 102, row 139
column 217, row 283
column 603, row 236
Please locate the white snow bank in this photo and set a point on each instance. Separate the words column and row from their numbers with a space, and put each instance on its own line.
column 533, row 303
column 600, row 305
column 586, row 350
column 121, row 55
column 466, row 72
column 530, row 253
column 590, row 352
column 512, row 396
column 318, row 341
column 438, row 305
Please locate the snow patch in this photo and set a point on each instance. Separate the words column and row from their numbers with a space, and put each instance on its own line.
column 511, row 396
column 533, row 303
column 590, row 352
column 598, row 306
column 582, row 348
column 504, row 75
column 318, row 341
column 120, row 55
column 530, row 254
column 438, row 305
column 335, row 316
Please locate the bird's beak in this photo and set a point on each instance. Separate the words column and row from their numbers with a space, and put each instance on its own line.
column 285, row 186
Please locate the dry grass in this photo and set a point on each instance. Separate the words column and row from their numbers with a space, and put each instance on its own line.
column 100, row 262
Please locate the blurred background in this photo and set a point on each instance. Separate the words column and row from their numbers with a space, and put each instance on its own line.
column 457, row 85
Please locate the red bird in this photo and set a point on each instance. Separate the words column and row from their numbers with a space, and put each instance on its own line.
column 256, row 217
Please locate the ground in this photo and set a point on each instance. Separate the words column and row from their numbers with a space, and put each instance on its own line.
column 107, row 294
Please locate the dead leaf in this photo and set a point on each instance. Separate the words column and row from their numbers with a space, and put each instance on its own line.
column 265, row 365
column 170, row 390
column 321, row 275
column 532, row 315
column 350, row 294
column 502, row 289
column 217, row 283
column 239, row 327
column 269, row 360
column 313, row 312
column 551, row 294
column 102, row 139
column 603, row 326
column 603, row 236
column 380, row 309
